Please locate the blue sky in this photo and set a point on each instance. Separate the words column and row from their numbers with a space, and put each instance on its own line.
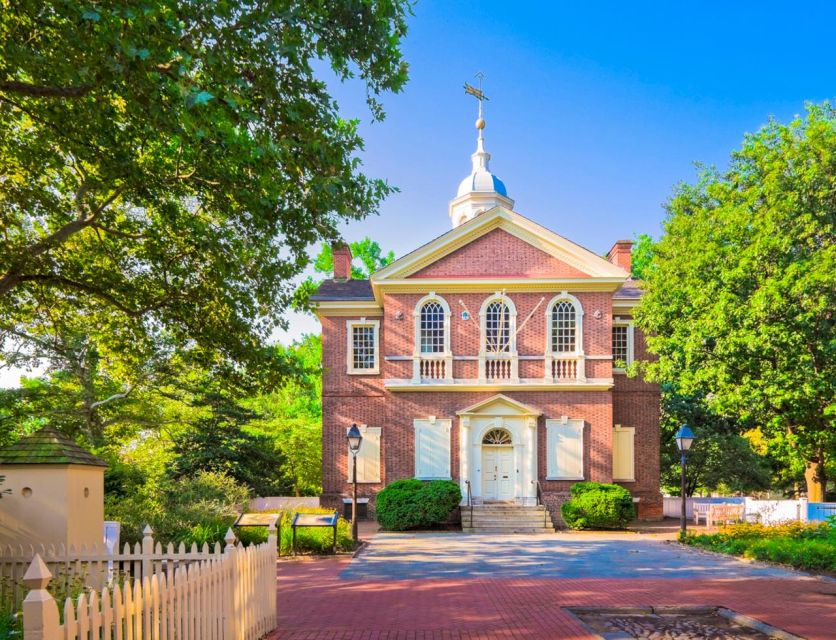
column 596, row 109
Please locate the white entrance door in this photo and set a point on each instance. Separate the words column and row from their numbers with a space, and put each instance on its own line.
column 497, row 473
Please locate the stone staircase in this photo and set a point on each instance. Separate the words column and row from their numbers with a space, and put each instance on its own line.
column 506, row 518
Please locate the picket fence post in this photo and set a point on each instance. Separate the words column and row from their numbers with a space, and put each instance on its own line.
column 40, row 611
column 273, row 546
column 147, row 551
column 231, row 609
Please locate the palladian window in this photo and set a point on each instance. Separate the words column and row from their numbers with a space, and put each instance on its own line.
column 564, row 327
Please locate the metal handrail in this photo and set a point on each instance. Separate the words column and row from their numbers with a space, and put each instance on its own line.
column 469, row 501
column 540, row 502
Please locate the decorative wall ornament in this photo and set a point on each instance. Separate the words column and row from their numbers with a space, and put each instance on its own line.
column 597, row 314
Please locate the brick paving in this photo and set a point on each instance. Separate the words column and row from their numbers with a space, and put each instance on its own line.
column 319, row 600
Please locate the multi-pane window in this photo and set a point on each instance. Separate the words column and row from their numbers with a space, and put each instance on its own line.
column 564, row 327
column 497, row 328
column 362, row 346
column 622, row 343
column 619, row 345
column 431, row 330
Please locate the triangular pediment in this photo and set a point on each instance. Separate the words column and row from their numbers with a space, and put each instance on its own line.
column 528, row 251
column 499, row 405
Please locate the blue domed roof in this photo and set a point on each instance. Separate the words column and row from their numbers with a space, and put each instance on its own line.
column 482, row 181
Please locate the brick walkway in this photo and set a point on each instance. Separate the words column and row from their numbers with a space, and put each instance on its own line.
column 316, row 603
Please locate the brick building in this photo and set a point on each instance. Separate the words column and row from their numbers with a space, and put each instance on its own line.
column 492, row 355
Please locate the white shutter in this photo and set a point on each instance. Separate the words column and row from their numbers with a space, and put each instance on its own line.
column 368, row 457
column 623, row 453
column 564, row 440
column 432, row 448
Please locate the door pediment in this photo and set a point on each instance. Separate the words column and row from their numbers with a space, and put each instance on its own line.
column 500, row 405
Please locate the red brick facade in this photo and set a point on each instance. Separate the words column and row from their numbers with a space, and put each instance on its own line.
column 364, row 399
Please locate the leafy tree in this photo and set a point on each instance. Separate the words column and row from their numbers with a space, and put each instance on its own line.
column 740, row 301
column 721, row 458
column 220, row 443
column 292, row 417
column 642, row 256
column 166, row 166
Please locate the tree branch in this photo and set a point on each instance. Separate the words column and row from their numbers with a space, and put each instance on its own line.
column 44, row 91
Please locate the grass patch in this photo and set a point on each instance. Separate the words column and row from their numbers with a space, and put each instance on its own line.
column 802, row 545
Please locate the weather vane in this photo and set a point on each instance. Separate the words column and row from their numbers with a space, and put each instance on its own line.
column 481, row 97
column 473, row 91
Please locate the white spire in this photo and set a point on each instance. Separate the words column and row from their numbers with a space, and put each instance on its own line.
column 481, row 190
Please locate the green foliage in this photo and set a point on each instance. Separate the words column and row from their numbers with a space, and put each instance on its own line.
column 598, row 506
column 220, row 443
column 292, row 417
column 316, row 540
column 798, row 544
column 642, row 256
column 411, row 504
column 720, row 460
column 155, row 157
column 739, row 302
column 191, row 509
column 367, row 251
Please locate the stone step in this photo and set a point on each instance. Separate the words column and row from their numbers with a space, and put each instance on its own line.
column 505, row 509
column 507, row 530
column 506, row 516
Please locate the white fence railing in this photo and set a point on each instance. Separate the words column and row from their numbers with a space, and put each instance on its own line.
column 765, row 511
column 195, row 595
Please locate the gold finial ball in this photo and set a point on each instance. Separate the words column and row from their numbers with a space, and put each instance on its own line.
column 480, row 123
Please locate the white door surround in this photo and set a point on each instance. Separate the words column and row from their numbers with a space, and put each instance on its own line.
column 485, row 430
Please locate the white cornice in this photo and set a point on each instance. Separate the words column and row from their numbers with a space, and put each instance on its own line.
column 348, row 308
column 525, row 384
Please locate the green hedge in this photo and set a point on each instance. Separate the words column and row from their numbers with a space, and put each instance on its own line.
column 598, row 506
column 415, row 504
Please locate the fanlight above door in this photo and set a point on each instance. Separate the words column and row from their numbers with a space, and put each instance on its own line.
column 497, row 436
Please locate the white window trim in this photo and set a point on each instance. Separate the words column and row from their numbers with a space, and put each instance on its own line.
column 578, row 353
column 447, row 425
column 580, row 428
column 483, row 335
column 631, row 332
column 619, row 428
column 349, row 352
column 366, row 430
column 447, row 354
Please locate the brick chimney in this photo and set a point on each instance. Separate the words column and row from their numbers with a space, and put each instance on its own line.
column 342, row 261
column 620, row 254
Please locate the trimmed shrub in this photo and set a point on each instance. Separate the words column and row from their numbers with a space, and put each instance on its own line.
column 598, row 506
column 412, row 504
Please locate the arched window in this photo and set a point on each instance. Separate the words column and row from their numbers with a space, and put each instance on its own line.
column 432, row 358
column 564, row 318
column 564, row 327
column 497, row 327
column 497, row 436
column 431, row 334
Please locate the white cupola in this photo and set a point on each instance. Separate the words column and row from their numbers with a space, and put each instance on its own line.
column 481, row 190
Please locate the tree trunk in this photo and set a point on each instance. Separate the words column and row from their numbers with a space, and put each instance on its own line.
column 816, row 477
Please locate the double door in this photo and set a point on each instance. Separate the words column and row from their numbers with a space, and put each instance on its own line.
column 497, row 473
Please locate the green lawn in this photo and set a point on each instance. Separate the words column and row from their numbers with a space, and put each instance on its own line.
column 797, row 544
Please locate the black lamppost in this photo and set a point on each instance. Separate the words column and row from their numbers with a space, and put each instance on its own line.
column 684, row 439
column 354, row 439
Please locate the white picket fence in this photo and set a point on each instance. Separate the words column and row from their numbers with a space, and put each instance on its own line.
column 226, row 595
column 766, row 511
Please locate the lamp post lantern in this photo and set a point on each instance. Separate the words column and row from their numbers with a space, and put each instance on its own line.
column 684, row 439
column 354, row 439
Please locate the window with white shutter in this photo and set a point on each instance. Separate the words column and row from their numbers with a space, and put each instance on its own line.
column 432, row 449
column 564, row 441
column 368, row 457
column 623, row 454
